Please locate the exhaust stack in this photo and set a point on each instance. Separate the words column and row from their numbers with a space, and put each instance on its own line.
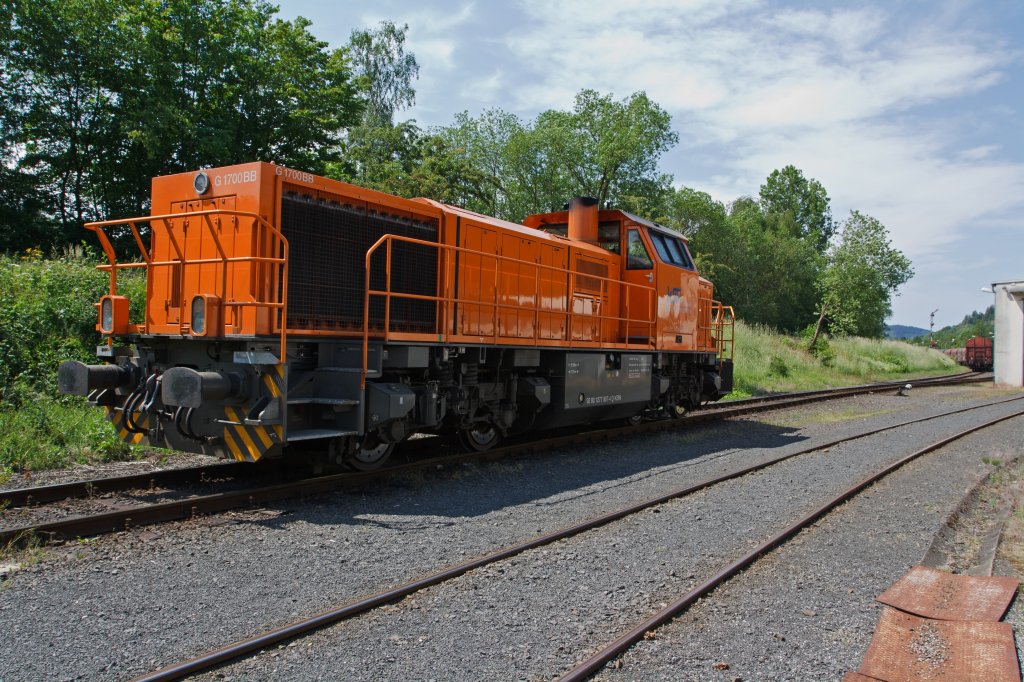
column 583, row 219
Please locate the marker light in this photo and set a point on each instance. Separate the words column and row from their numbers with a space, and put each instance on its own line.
column 113, row 315
column 205, row 315
column 198, row 315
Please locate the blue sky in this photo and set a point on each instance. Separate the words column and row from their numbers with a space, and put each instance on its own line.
column 907, row 111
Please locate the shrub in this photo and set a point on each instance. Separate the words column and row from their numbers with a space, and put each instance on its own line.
column 778, row 367
column 46, row 317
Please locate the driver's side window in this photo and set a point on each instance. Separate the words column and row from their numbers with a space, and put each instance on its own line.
column 637, row 257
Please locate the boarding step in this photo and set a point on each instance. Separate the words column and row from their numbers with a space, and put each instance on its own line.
column 316, row 434
column 340, row 402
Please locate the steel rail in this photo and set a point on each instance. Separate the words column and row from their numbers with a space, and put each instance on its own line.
column 348, row 610
column 57, row 492
column 634, row 635
column 191, row 507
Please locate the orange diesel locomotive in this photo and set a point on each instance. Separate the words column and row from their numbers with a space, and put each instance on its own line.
column 284, row 307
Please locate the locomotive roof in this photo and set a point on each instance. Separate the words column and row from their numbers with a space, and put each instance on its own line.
column 654, row 226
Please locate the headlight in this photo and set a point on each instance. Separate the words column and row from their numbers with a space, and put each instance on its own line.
column 199, row 315
column 205, row 316
column 113, row 315
column 107, row 316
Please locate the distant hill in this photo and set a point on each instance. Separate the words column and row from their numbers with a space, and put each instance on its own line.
column 975, row 324
column 900, row 331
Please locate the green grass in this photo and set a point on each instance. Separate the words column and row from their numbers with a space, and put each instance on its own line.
column 767, row 362
column 46, row 433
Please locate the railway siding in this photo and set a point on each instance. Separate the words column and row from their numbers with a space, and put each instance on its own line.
column 196, row 586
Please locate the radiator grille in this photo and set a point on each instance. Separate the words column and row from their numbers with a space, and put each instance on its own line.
column 327, row 244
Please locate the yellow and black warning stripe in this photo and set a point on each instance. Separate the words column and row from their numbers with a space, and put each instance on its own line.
column 117, row 419
column 249, row 443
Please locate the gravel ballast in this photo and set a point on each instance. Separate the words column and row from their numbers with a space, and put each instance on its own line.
column 120, row 606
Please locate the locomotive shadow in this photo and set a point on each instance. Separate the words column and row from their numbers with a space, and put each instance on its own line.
column 455, row 493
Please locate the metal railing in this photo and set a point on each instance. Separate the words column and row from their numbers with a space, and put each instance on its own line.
column 278, row 265
column 444, row 333
column 720, row 328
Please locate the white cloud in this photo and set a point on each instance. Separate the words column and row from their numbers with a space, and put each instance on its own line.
column 833, row 92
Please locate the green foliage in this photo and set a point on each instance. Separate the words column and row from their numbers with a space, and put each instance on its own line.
column 46, row 317
column 603, row 148
column 778, row 367
column 102, row 95
column 44, row 433
column 402, row 160
column 767, row 275
column 801, row 207
column 864, row 271
column 761, row 352
column 385, row 72
column 691, row 212
column 821, row 348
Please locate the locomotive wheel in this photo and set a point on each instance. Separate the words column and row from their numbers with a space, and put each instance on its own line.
column 480, row 437
column 635, row 420
column 370, row 458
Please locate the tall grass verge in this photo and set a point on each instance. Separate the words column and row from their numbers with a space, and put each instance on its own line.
column 768, row 362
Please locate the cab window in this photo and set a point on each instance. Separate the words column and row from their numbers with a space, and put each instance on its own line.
column 637, row 257
column 608, row 235
column 671, row 250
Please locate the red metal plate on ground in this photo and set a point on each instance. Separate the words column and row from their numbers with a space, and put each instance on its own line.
column 857, row 677
column 944, row 596
column 907, row 648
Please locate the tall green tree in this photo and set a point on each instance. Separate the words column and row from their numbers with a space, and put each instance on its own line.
column 799, row 206
column 768, row 276
column 492, row 143
column 864, row 272
column 385, row 71
column 609, row 149
column 603, row 148
column 23, row 209
column 690, row 211
column 118, row 91
column 403, row 160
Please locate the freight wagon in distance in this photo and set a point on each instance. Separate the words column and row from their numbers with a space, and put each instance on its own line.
column 283, row 307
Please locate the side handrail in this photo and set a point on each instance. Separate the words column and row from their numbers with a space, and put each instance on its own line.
column 164, row 220
column 722, row 329
column 387, row 239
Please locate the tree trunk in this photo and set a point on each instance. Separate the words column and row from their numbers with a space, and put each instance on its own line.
column 817, row 328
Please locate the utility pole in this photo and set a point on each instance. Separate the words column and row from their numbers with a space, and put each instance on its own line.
column 931, row 328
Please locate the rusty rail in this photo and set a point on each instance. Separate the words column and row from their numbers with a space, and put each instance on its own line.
column 635, row 634
column 348, row 610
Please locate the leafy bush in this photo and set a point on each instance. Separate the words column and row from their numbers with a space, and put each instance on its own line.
column 46, row 317
column 45, row 433
column 778, row 367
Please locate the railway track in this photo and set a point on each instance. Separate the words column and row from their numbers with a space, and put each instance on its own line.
column 608, row 652
column 132, row 513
